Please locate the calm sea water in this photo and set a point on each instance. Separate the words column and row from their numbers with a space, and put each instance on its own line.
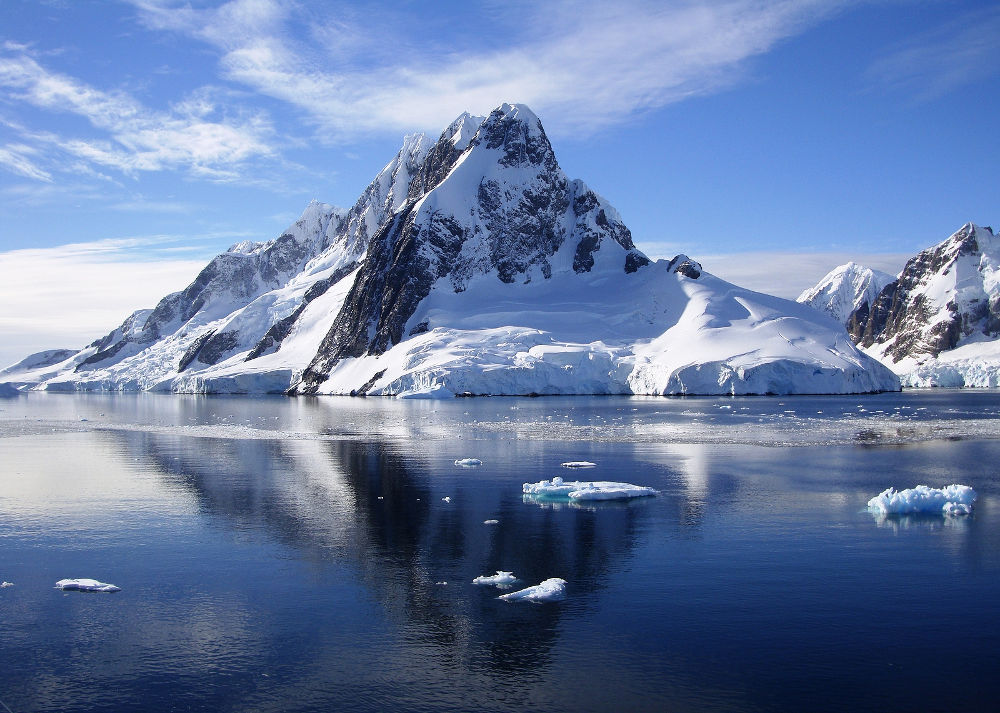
column 296, row 555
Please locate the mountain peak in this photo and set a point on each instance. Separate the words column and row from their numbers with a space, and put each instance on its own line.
column 462, row 130
column 470, row 264
column 514, row 130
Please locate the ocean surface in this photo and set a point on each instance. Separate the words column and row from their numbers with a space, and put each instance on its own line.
column 297, row 554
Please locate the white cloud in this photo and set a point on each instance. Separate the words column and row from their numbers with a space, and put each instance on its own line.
column 137, row 138
column 582, row 65
column 15, row 158
column 935, row 63
column 787, row 274
column 70, row 295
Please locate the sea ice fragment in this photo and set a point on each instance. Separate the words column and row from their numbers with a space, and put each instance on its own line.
column 468, row 462
column 85, row 585
column 578, row 464
column 953, row 500
column 585, row 490
column 499, row 579
column 550, row 590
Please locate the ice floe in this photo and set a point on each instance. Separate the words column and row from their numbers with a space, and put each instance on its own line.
column 585, row 490
column 4, row 585
column 491, row 522
column 85, row 585
column 954, row 500
column 500, row 579
column 550, row 590
column 468, row 462
column 578, row 464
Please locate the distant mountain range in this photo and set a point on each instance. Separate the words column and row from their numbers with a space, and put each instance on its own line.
column 470, row 265
column 937, row 323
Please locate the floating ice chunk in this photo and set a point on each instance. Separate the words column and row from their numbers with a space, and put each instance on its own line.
column 447, row 498
column 956, row 509
column 491, row 522
column 4, row 585
column 952, row 500
column 586, row 490
column 468, row 462
column 85, row 585
column 499, row 579
column 578, row 464
column 550, row 590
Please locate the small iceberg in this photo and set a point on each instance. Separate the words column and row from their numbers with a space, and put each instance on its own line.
column 4, row 585
column 468, row 462
column 952, row 500
column 578, row 464
column 500, row 579
column 491, row 522
column 551, row 590
column 585, row 490
column 85, row 585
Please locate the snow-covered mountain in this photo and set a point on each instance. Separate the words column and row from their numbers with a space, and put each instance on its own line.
column 845, row 290
column 470, row 265
column 938, row 322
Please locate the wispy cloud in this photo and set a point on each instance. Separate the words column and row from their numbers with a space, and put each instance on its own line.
column 787, row 274
column 936, row 63
column 584, row 65
column 195, row 134
column 16, row 159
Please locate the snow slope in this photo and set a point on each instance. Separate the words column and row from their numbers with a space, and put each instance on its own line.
column 470, row 265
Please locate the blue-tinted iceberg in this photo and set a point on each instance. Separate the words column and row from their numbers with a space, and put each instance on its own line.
column 468, row 462
column 550, row 590
column 952, row 500
column 85, row 585
column 585, row 490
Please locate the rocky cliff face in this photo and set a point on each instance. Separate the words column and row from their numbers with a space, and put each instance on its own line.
column 496, row 205
column 944, row 295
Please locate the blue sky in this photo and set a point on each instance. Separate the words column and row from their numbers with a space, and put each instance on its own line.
column 770, row 140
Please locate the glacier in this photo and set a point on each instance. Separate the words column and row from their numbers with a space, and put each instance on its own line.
column 471, row 265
